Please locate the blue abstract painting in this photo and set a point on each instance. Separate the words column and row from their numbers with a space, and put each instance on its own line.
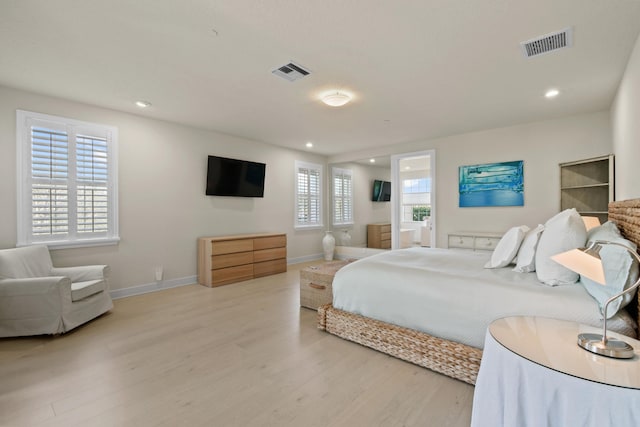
column 492, row 184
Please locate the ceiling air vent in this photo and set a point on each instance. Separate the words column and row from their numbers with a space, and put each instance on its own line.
column 548, row 43
column 291, row 72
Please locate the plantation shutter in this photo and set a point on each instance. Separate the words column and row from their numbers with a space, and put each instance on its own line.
column 342, row 197
column 92, row 180
column 308, row 195
column 67, row 186
column 49, row 183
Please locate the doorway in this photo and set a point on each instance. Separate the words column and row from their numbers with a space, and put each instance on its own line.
column 413, row 201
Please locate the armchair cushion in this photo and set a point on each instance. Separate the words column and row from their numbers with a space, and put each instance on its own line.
column 81, row 290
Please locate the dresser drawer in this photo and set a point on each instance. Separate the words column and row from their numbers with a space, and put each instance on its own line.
column 231, row 274
column 231, row 260
column 269, row 254
column 268, row 268
column 385, row 229
column 465, row 242
column 269, row 242
column 231, row 246
column 486, row 243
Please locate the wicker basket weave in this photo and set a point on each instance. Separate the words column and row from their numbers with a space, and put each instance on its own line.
column 453, row 359
column 316, row 283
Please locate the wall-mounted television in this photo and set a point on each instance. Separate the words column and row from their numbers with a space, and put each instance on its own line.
column 381, row 191
column 236, row 178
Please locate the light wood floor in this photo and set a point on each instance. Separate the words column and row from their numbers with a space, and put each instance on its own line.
column 239, row 355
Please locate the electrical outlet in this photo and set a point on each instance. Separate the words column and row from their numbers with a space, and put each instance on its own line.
column 159, row 272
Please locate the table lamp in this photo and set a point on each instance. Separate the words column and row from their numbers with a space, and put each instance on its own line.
column 587, row 262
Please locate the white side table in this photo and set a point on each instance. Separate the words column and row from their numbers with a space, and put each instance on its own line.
column 534, row 374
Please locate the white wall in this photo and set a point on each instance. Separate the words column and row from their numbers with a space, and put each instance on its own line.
column 625, row 120
column 162, row 206
column 365, row 211
column 542, row 146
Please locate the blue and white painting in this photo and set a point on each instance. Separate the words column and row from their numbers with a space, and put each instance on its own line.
column 492, row 184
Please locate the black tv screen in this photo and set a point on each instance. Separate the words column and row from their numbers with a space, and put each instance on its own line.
column 236, row 178
column 381, row 191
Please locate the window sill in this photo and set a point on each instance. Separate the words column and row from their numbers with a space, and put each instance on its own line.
column 308, row 227
column 75, row 244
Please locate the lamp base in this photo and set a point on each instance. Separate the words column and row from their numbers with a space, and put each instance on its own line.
column 612, row 348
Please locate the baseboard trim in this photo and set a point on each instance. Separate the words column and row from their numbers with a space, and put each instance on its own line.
column 306, row 258
column 183, row 281
column 153, row 287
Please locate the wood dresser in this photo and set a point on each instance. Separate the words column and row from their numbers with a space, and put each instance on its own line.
column 379, row 235
column 229, row 259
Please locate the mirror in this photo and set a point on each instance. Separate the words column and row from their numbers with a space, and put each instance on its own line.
column 365, row 211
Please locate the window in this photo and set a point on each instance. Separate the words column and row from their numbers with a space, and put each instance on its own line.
column 342, row 196
column 67, row 189
column 308, row 195
column 416, row 199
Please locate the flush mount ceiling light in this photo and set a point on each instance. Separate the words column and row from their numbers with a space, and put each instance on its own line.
column 372, row 160
column 143, row 104
column 309, row 144
column 552, row 93
column 336, row 98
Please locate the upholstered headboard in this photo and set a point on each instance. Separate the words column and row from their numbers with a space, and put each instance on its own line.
column 626, row 215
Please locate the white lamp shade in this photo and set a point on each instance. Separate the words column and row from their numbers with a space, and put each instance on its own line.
column 591, row 222
column 582, row 263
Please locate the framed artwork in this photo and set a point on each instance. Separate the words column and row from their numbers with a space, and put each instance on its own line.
column 492, row 184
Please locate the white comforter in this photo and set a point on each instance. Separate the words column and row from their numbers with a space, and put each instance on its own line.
column 448, row 294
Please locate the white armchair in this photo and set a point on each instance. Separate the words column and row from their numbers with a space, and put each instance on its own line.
column 37, row 298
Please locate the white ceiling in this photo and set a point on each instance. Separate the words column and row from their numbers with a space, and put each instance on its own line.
column 418, row 69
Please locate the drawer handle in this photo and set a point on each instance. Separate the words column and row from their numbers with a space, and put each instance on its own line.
column 314, row 286
column 461, row 241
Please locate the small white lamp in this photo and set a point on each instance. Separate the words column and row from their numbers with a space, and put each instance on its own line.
column 587, row 262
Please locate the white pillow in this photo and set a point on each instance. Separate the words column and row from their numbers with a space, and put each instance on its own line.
column 563, row 232
column 526, row 262
column 507, row 247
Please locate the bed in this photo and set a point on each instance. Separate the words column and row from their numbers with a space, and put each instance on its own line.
column 457, row 356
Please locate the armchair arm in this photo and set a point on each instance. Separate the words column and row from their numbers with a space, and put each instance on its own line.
column 34, row 300
column 82, row 273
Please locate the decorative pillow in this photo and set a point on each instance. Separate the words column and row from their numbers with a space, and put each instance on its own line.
column 507, row 247
column 563, row 232
column 526, row 262
column 620, row 269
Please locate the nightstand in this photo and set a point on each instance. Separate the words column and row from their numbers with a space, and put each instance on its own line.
column 533, row 373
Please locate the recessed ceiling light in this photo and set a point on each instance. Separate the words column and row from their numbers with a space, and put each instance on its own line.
column 372, row 160
column 407, row 168
column 336, row 98
column 552, row 93
column 143, row 104
column 309, row 144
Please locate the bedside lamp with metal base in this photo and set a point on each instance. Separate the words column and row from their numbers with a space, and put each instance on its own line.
column 587, row 262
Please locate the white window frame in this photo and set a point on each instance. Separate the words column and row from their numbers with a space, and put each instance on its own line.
column 25, row 120
column 305, row 167
column 344, row 175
